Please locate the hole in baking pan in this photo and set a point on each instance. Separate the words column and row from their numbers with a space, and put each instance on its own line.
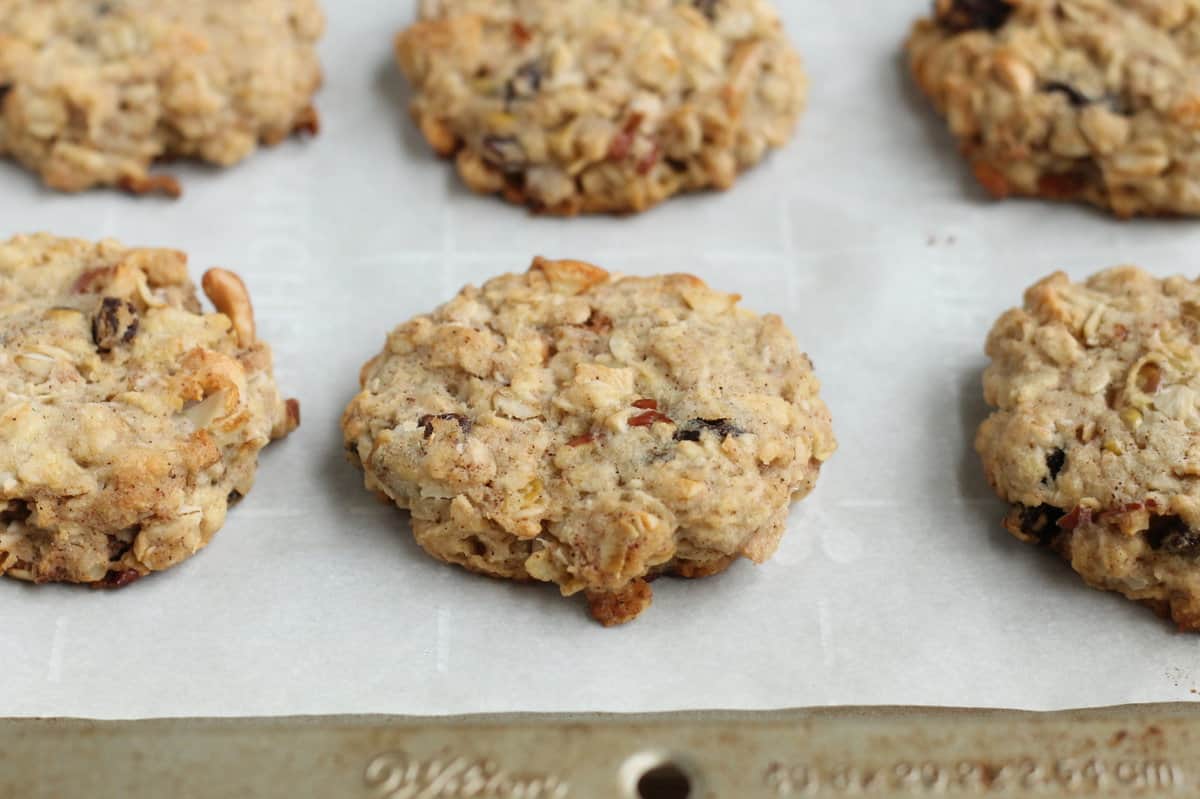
column 664, row 781
column 659, row 774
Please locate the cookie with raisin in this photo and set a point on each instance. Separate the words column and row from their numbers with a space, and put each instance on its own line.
column 585, row 106
column 576, row 427
column 92, row 93
column 1095, row 436
column 130, row 418
column 1093, row 101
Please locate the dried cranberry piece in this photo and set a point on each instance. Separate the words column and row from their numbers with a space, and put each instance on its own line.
column 1172, row 535
column 1077, row 98
column 464, row 423
column 1055, row 462
column 115, row 323
column 15, row 510
column 707, row 7
column 119, row 579
column 527, row 81
column 723, row 428
column 504, row 152
column 1041, row 523
column 969, row 15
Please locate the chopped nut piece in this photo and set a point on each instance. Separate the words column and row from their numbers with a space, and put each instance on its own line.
column 228, row 293
column 152, row 184
column 649, row 418
column 308, row 122
column 620, row 607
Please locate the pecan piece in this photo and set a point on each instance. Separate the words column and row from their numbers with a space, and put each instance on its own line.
column 520, row 34
column 650, row 160
column 115, row 323
column 1062, row 186
column 308, row 121
column 1075, row 518
column 622, row 143
column 613, row 608
column 152, row 184
column 649, row 419
column 992, row 179
column 290, row 420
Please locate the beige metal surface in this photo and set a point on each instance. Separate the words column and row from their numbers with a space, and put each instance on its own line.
column 1149, row 750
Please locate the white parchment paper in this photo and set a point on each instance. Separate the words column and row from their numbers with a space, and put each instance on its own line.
column 895, row 583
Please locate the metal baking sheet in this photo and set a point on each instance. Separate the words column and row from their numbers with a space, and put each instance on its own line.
column 895, row 583
column 1146, row 751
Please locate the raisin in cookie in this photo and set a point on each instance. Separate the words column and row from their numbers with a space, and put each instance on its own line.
column 1088, row 100
column 573, row 106
column 590, row 430
column 92, row 93
column 130, row 418
column 1096, row 436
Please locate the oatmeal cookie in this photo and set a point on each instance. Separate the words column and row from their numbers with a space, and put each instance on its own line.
column 573, row 106
column 130, row 419
column 594, row 431
column 1088, row 100
column 92, row 92
column 1096, row 435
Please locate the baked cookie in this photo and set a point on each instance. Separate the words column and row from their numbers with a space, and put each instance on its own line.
column 573, row 106
column 590, row 430
column 1096, row 436
column 130, row 419
column 92, row 92
column 1089, row 100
